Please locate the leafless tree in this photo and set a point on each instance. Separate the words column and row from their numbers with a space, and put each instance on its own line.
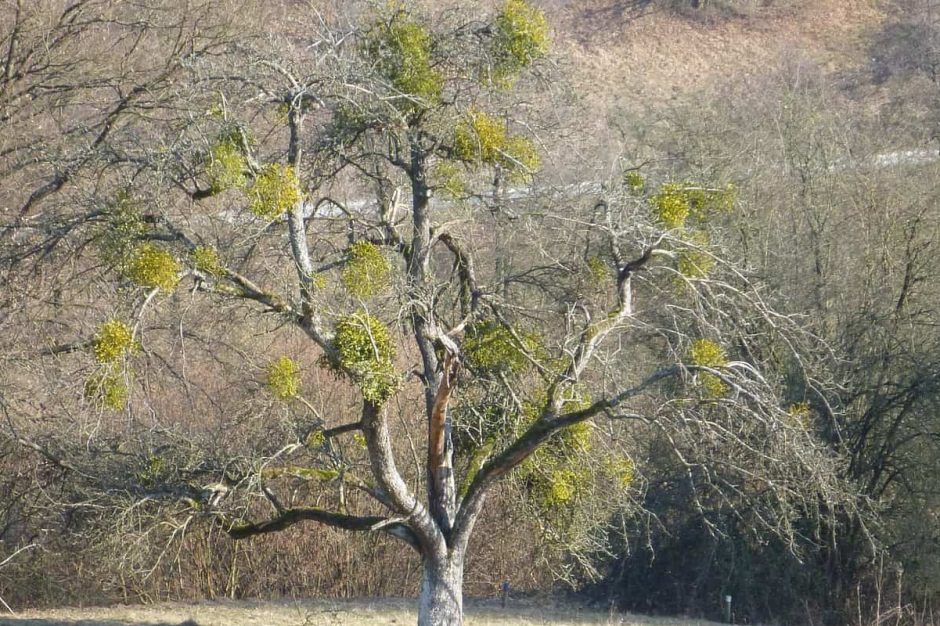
column 360, row 190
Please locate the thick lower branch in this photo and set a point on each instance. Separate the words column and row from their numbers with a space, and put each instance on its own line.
column 392, row 486
column 339, row 430
column 289, row 517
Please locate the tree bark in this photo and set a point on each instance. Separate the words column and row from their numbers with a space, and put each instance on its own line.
column 441, row 600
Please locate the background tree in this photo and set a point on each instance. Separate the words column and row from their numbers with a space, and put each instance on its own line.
column 834, row 216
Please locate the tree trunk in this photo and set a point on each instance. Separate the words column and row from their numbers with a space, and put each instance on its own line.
column 441, row 599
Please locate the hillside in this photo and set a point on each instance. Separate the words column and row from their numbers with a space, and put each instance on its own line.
column 633, row 51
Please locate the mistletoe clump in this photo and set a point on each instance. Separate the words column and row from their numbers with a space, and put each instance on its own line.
column 448, row 179
column 554, row 478
column 226, row 167
column 560, row 487
column 622, row 470
column 316, row 439
column 556, row 472
column 402, row 51
column 367, row 270
column 577, row 437
column 678, row 202
column 112, row 341
column 119, row 234
column 634, row 182
column 599, row 272
column 365, row 351
column 484, row 139
column 671, row 206
column 153, row 267
column 154, row 471
column 799, row 415
column 490, row 347
column 520, row 157
column 107, row 389
column 284, row 378
column 206, row 259
column 480, row 138
column 521, row 38
column 275, row 190
column 695, row 261
column 707, row 353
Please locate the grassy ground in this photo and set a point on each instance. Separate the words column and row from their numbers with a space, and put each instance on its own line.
column 325, row 613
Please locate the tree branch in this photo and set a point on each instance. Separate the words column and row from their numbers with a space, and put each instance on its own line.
column 289, row 517
column 393, row 487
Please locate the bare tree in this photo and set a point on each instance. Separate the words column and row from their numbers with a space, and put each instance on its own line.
column 244, row 166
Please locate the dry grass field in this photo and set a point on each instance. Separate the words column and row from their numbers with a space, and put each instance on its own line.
column 323, row 612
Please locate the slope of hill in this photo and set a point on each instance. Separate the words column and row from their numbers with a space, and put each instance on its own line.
column 635, row 50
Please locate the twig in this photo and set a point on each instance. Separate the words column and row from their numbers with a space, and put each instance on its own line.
column 6, row 561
